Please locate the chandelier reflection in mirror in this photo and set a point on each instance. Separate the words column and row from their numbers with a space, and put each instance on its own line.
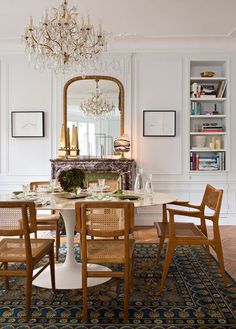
column 97, row 106
column 61, row 43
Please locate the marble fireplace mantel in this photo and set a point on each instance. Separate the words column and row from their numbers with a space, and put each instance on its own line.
column 124, row 167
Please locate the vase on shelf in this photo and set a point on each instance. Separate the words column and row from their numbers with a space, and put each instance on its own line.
column 138, row 184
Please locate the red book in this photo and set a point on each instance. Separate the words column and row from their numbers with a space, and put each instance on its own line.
column 212, row 131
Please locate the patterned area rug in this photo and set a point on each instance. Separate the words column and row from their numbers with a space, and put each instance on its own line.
column 195, row 297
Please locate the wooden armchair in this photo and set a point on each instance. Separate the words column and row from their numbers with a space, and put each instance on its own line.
column 47, row 221
column 189, row 233
column 19, row 218
column 106, row 220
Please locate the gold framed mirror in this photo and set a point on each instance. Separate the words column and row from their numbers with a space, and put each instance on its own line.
column 95, row 104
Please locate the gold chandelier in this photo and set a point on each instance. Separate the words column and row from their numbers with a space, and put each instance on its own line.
column 61, row 43
column 97, row 106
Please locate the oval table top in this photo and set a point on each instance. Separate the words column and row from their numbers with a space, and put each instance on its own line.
column 58, row 202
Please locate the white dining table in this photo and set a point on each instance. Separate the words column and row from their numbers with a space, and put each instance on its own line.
column 68, row 275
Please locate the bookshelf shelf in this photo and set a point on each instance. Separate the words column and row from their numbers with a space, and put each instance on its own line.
column 206, row 150
column 208, row 117
column 205, row 134
column 204, row 99
column 207, row 79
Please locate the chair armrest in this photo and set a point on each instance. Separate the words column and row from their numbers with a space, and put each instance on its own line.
column 174, row 212
column 184, row 204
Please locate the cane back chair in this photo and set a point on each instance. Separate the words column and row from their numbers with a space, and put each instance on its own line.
column 188, row 233
column 18, row 218
column 106, row 220
column 47, row 221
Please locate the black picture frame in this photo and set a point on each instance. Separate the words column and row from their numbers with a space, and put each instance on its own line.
column 159, row 123
column 27, row 124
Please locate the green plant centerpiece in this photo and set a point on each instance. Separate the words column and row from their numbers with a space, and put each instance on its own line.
column 71, row 179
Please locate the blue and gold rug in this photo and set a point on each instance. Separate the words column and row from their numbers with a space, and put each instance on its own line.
column 195, row 297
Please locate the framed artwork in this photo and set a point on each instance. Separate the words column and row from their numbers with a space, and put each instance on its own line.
column 27, row 124
column 159, row 123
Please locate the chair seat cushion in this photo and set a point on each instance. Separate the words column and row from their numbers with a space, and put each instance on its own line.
column 182, row 230
column 13, row 250
column 108, row 251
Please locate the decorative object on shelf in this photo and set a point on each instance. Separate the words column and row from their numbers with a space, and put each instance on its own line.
column 71, row 179
column 62, row 147
column 159, row 123
column 207, row 74
column 122, row 145
column 138, row 184
column 199, row 141
column 97, row 106
column 215, row 112
column 27, row 124
column 62, row 43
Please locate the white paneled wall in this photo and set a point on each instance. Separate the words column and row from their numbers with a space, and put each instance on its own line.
column 154, row 80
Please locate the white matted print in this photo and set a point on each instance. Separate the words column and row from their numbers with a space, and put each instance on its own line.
column 159, row 123
column 27, row 124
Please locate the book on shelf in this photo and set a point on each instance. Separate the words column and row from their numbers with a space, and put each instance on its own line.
column 221, row 89
column 212, row 130
column 207, row 163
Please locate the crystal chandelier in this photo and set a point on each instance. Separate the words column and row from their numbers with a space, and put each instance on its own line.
column 61, row 43
column 96, row 106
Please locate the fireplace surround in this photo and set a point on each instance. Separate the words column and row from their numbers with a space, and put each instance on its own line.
column 125, row 168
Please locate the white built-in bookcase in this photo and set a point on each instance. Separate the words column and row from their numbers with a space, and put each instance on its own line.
column 209, row 116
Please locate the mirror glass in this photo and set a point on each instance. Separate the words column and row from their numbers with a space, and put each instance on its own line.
column 95, row 105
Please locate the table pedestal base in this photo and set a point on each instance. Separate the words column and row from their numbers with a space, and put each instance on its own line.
column 69, row 277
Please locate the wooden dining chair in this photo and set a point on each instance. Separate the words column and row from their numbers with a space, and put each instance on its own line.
column 182, row 234
column 106, row 220
column 19, row 218
column 47, row 221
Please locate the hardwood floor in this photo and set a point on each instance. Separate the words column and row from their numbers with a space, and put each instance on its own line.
column 228, row 238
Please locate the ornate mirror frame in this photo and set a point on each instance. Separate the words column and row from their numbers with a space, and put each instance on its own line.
column 94, row 77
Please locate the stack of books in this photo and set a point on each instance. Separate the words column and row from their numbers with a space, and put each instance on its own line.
column 208, row 91
column 215, row 161
column 211, row 128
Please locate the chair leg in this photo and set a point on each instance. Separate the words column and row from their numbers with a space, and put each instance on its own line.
column 204, row 230
column 131, row 275
column 161, row 243
column 126, row 294
column 85, row 292
column 57, row 240
column 167, row 262
column 6, row 280
column 52, row 269
column 219, row 252
column 28, row 293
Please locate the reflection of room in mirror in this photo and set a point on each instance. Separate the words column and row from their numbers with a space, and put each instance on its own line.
column 95, row 136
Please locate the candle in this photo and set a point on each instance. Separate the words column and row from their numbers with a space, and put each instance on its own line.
column 30, row 22
column 100, row 29
column 63, row 140
column 45, row 16
column 74, row 138
column 77, row 138
column 68, row 138
column 82, row 22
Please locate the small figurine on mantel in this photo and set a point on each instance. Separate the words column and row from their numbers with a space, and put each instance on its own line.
column 69, row 148
column 74, row 147
column 62, row 148
column 122, row 145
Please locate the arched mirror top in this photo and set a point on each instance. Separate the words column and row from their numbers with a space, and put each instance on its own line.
column 73, row 86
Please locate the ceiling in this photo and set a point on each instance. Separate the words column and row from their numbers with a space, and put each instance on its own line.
column 133, row 20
